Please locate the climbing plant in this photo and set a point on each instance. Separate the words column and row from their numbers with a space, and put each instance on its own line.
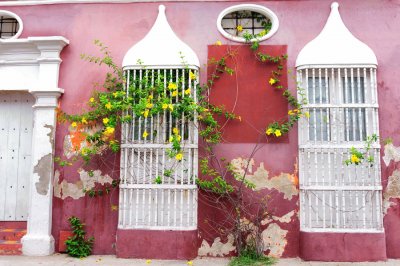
column 114, row 105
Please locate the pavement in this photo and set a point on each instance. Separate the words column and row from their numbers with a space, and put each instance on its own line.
column 109, row 260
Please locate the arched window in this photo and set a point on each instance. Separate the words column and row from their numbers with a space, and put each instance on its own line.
column 338, row 75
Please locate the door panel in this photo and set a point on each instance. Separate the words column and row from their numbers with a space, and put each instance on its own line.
column 16, row 121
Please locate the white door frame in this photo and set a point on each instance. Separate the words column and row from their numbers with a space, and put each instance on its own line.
column 32, row 65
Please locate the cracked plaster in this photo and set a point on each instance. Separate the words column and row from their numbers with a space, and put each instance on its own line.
column 284, row 182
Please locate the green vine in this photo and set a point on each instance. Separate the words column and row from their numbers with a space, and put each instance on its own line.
column 77, row 245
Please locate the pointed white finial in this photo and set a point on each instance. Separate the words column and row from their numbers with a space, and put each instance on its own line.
column 335, row 45
column 160, row 48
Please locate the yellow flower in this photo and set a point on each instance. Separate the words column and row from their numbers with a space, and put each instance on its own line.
column 175, row 131
column 262, row 33
column 74, row 124
column 189, row 262
column 172, row 86
column 269, row 131
column 174, row 93
column 178, row 137
column 91, row 100
column 278, row 133
column 272, row 81
column 239, row 28
column 290, row 112
column 171, row 138
column 84, row 121
column 192, row 76
column 151, row 97
column 296, row 110
column 164, row 106
column 148, row 261
column 187, row 91
column 105, row 121
column 171, row 107
column 179, row 157
column 219, row 43
column 146, row 113
column 108, row 106
column 145, row 134
column 355, row 159
column 149, row 105
column 109, row 130
column 307, row 114
column 115, row 94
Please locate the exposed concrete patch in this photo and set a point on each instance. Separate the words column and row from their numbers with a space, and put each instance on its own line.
column 76, row 190
column 283, row 219
column 50, row 134
column 391, row 153
column 274, row 239
column 42, row 169
column 284, row 182
column 217, row 249
column 392, row 190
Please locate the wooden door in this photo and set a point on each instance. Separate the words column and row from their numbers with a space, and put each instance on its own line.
column 16, row 123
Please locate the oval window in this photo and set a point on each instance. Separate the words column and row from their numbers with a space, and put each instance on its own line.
column 10, row 25
column 246, row 22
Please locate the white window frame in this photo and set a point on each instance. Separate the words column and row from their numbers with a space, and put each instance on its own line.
column 249, row 7
column 335, row 197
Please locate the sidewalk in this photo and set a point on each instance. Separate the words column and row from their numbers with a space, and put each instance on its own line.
column 64, row 260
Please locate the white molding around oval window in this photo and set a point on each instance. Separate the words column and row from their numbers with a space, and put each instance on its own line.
column 249, row 7
column 19, row 20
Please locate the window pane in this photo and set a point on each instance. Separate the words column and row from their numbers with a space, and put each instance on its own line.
column 317, row 90
column 353, row 92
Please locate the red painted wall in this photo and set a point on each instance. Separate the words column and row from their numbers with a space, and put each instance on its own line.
column 122, row 25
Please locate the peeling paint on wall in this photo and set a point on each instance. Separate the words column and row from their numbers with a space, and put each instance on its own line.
column 283, row 219
column 76, row 190
column 76, row 140
column 274, row 238
column 284, row 182
column 42, row 170
column 392, row 190
column 391, row 153
column 217, row 249
column 50, row 134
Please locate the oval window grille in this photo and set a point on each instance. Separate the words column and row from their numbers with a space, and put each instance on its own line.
column 236, row 21
column 10, row 25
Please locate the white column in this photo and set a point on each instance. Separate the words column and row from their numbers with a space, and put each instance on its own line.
column 38, row 241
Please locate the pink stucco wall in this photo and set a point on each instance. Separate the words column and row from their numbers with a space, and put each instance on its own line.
column 375, row 22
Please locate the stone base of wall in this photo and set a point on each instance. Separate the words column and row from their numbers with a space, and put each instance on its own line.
column 341, row 247
column 156, row 244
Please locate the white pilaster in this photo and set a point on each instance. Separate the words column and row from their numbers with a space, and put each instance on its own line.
column 39, row 240
column 39, row 60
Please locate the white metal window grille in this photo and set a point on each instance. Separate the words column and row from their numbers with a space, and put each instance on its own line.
column 156, row 191
column 343, row 108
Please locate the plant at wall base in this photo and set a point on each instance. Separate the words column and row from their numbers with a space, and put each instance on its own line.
column 77, row 245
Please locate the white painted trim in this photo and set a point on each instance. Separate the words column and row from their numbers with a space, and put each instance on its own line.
column 250, row 7
column 340, row 230
column 32, row 65
column 336, row 45
column 340, row 188
column 158, row 228
column 19, row 20
column 158, row 186
column 174, row 51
